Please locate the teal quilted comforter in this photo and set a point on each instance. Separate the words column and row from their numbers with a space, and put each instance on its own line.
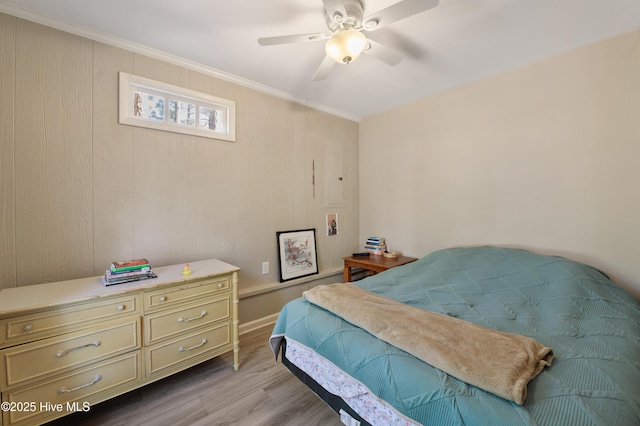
column 592, row 325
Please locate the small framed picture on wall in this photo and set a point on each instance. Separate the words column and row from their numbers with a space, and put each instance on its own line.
column 332, row 224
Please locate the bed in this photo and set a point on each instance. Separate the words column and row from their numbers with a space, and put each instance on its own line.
column 592, row 325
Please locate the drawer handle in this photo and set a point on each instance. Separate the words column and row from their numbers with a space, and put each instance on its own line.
column 121, row 307
column 95, row 379
column 60, row 354
column 28, row 328
column 203, row 313
column 162, row 299
column 183, row 349
column 219, row 285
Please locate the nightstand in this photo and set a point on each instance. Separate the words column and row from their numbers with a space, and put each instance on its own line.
column 373, row 263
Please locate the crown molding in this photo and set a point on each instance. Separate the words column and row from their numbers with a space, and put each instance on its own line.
column 88, row 33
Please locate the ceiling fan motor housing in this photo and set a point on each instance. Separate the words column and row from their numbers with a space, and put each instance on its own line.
column 355, row 13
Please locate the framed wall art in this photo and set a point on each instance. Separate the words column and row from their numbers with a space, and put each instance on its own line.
column 297, row 254
column 332, row 224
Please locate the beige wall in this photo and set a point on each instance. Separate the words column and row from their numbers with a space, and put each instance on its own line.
column 79, row 190
column 546, row 157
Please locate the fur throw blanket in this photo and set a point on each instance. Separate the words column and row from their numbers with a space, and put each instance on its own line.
column 498, row 362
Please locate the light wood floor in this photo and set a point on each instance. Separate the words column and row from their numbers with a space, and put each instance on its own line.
column 261, row 393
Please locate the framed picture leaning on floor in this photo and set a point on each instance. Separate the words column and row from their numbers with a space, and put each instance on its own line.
column 297, row 253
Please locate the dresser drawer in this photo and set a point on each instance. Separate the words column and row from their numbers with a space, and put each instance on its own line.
column 176, row 322
column 82, row 385
column 62, row 320
column 176, row 295
column 32, row 361
column 163, row 356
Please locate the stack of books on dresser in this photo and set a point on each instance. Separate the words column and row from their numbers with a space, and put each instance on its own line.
column 376, row 245
column 128, row 270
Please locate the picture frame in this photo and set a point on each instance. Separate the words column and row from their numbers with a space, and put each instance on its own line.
column 297, row 253
column 332, row 224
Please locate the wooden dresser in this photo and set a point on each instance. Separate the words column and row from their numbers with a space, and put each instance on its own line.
column 68, row 345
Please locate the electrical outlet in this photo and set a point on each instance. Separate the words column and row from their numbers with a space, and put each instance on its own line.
column 265, row 268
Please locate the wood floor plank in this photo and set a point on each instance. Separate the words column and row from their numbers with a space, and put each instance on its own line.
column 261, row 393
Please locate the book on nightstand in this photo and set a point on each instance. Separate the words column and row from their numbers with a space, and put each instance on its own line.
column 376, row 245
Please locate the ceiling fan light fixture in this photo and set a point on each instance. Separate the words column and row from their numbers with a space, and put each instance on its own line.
column 346, row 45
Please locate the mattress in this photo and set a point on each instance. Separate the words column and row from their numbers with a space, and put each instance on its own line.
column 592, row 325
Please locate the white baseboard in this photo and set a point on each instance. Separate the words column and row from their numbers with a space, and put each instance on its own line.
column 269, row 320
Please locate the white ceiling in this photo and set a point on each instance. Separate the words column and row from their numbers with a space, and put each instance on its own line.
column 457, row 42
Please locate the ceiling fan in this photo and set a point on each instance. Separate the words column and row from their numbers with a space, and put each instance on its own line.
column 346, row 22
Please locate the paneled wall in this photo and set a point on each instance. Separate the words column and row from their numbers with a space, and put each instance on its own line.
column 79, row 190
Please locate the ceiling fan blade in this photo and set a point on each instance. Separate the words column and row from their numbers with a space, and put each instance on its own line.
column 288, row 39
column 383, row 53
column 324, row 69
column 402, row 9
column 334, row 7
